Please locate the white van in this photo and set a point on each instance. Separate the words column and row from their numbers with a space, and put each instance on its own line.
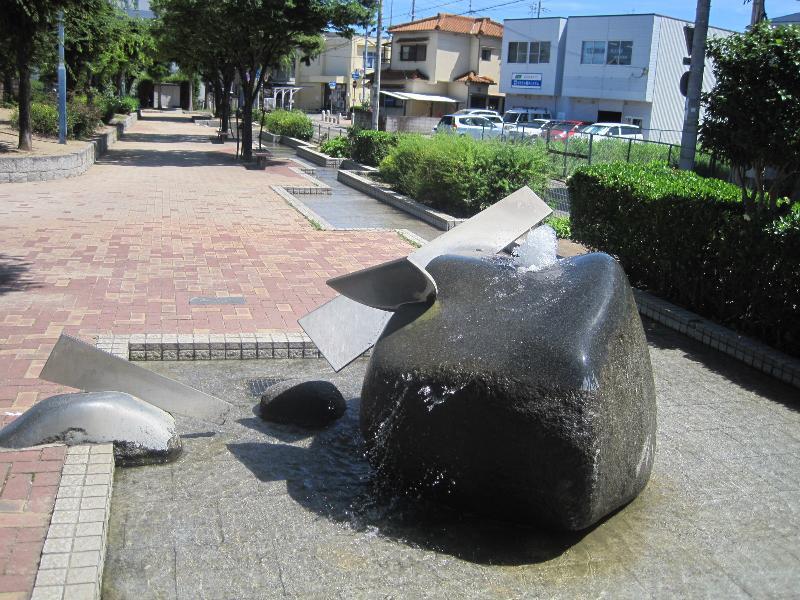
column 523, row 119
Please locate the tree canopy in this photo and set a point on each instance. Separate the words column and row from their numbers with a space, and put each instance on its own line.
column 251, row 37
column 752, row 115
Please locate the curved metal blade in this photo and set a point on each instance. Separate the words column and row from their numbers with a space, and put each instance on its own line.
column 79, row 365
column 387, row 286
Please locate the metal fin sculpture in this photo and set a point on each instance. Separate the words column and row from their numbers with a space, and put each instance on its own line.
column 347, row 326
column 79, row 365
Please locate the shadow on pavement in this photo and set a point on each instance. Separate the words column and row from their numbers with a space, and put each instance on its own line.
column 333, row 479
column 735, row 371
column 14, row 275
column 166, row 158
column 166, row 138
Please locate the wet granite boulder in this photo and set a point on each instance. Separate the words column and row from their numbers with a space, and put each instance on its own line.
column 141, row 433
column 309, row 403
column 526, row 396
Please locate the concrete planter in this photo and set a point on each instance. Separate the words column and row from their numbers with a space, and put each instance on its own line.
column 44, row 168
column 358, row 180
column 310, row 154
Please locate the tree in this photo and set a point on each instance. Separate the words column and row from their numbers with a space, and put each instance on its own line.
column 21, row 21
column 752, row 116
column 256, row 35
column 189, row 34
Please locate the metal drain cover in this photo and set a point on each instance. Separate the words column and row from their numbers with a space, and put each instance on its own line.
column 258, row 386
column 204, row 300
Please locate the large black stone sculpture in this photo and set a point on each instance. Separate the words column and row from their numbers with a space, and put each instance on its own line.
column 523, row 395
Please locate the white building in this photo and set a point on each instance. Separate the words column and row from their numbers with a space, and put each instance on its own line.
column 620, row 68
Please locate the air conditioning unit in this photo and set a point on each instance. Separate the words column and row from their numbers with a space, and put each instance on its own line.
column 632, row 121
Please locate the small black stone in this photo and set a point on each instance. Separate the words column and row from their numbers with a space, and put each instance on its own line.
column 310, row 403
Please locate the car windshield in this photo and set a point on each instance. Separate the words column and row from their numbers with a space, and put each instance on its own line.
column 511, row 117
column 562, row 126
column 493, row 118
column 594, row 129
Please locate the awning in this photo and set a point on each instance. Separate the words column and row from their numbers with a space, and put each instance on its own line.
column 420, row 97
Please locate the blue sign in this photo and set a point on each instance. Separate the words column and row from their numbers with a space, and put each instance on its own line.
column 526, row 80
column 356, row 75
column 332, row 85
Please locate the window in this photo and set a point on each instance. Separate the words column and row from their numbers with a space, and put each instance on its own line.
column 370, row 60
column 539, row 52
column 517, row 52
column 417, row 52
column 619, row 53
column 486, row 54
column 593, row 53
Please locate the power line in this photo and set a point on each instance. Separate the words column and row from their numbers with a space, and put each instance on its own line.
column 485, row 8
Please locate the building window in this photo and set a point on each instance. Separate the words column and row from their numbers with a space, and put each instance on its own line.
column 539, row 52
column 413, row 53
column 370, row 60
column 593, row 53
column 619, row 53
column 517, row 52
column 486, row 54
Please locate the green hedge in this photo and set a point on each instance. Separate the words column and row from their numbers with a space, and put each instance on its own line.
column 370, row 147
column 461, row 175
column 82, row 120
column 338, row 147
column 294, row 123
column 688, row 239
column 110, row 104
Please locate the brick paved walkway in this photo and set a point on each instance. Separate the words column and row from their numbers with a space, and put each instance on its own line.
column 163, row 217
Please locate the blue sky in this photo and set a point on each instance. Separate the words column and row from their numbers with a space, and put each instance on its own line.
column 728, row 14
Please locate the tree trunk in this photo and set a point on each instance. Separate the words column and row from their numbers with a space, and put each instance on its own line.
column 225, row 101
column 217, row 87
column 8, row 86
column 247, row 124
column 24, row 51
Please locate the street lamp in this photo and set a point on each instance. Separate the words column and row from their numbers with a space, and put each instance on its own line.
column 62, row 83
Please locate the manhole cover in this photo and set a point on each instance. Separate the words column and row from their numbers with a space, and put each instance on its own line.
column 259, row 386
column 215, row 300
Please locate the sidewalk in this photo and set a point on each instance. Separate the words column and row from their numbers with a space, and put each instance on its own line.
column 164, row 217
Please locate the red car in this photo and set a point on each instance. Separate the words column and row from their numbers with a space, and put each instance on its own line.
column 561, row 130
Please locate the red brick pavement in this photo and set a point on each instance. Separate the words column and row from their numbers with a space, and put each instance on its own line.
column 28, row 483
column 163, row 217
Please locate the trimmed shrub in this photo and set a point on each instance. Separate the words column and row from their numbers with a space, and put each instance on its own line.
column 82, row 120
column 370, row 147
column 338, row 147
column 461, row 175
column 688, row 239
column 561, row 225
column 294, row 123
column 109, row 104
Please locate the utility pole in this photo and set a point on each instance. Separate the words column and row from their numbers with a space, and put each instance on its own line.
column 376, row 87
column 691, row 115
column 364, row 74
column 62, row 83
column 759, row 13
column 413, row 9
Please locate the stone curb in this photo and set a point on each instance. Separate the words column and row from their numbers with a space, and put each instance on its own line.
column 71, row 566
column 311, row 216
column 356, row 180
column 751, row 352
column 46, row 168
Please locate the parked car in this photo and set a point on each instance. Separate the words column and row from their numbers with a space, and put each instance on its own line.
column 476, row 126
column 562, row 130
column 532, row 129
column 484, row 112
column 521, row 118
column 617, row 130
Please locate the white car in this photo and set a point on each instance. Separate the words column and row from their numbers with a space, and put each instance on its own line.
column 523, row 119
column 484, row 112
column 532, row 129
column 477, row 126
column 615, row 130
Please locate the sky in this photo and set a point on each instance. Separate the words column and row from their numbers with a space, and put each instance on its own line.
column 726, row 14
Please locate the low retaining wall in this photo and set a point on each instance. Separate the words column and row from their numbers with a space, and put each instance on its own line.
column 440, row 220
column 318, row 158
column 22, row 169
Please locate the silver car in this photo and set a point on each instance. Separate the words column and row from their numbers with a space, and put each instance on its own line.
column 478, row 127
